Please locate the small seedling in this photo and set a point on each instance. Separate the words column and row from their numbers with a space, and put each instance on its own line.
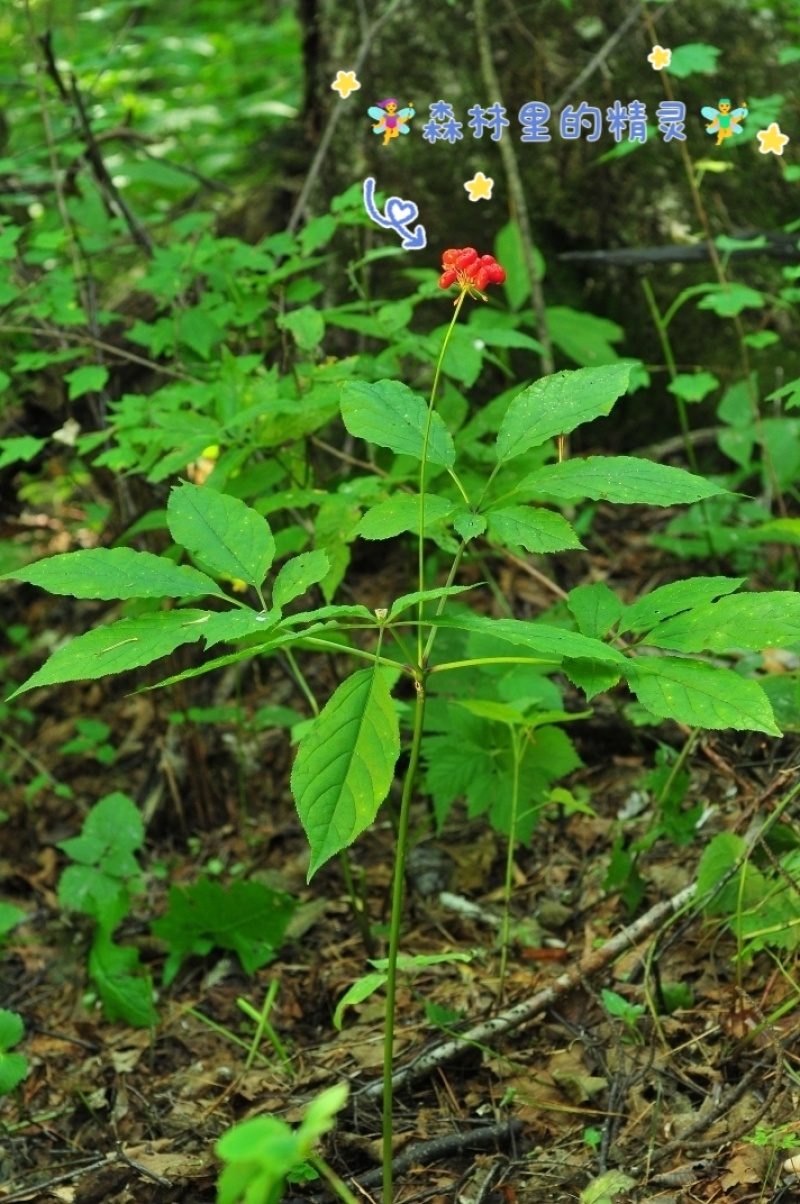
column 13, row 1066
column 629, row 1013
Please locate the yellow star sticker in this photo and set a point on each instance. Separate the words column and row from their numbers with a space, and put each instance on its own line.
column 345, row 83
column 659, row 57
column 480, row 187
column 772, row 140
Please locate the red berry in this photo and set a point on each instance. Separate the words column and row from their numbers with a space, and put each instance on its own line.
column 447, row 278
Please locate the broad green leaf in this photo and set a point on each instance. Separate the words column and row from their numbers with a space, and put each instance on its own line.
column 298, row 575
column 198, row 331
column 126, row 992
column 10, row 916
column 23, row 447
column 596, row 608
column 671, row 599
column 693, row 57
column 618, row 479
column 116, row 573
column 405, row 601
column 319, row 1115
column 87, row 889
column 390, row 414
column 607, row 1189
column 535, row 529
column 88, row 379
column 693, row 386
column 583, row 337
column 731, row 299
column 307, row 326
column 13, row 1067
column 549, row 643
column 249, row 918
column 468, row 525
column 592, row 677
column 345, row 765
column 228, row 626
column 724, row 851
column 222, row 532
column 401, row 513
column 11, row 1029
column 557, row 404
column 119, row 647
column 508, row 251
column 111, row 832
column 751, row 622
column 700, row 695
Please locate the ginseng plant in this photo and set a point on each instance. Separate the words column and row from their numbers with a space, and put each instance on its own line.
column 346, row 763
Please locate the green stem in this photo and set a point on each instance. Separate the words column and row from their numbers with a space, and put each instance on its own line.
column 394, row 935
column 337, row 1185
column 425, row 441
column 505, row 931
column 443, row 601
column 494, row 660
column 669, row 360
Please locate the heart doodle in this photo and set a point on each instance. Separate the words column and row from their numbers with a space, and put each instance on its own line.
column 400, row 212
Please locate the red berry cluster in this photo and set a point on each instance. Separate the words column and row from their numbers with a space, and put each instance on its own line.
column 472, row 272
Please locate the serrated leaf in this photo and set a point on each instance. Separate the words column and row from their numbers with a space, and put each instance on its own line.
column 590, row 675
column 249, row 918
column 724, row 851
column 13, row 1069
column 390, row 414
column 557, row 404
column 116, row 573
column 222, row 532
column 730, row 300
column 127, row 994
column 88, row 379
column 468, row 525
column 298, row 575
column 692, row 387
column 693, row 57
column 551, row 643
column 121, row 646
column 700, row 695
column 596, row 608
column 401, row 513
column 750, row 622
column 532, row 528
column 87, row 889
column 228, row 626
column 111, row 832
column 11, row 1029
column 672, row 599
column 345, row 765
column 10, row 916
column 307, row 326
column 625, row 479
column 23, row 447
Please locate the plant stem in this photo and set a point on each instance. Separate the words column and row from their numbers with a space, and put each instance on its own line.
column 421, row 550
column 394, row 933
column 505, row 931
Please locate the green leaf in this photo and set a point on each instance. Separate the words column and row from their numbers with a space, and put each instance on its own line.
column 671, row 599
column 590, row 676
column 87, row 889
column 618, row 479
column 583, row 337
column 550, row 643
column 468, row 525
column 405, row 601
column 389, row 414
column 127, row 994
column 298, row 575
column 534, row 529
column 693, row 386
column 116, row 573
column 731, row 299
column 724, row 852
column 10, row 916
column 23, row 448
column 345, row 765
column 361, row 989
column 557, row 404
column 692, row 58
column 249, row 918
column 700, row 695
column 88, row 379
column 198, row 331
column 751, row 622
column 596, row 608
column 401, row 513
column 222, row 532
column 307, row 326
column 111, row 832
column 119, row 647
column 508, row 251
column 13, row 1067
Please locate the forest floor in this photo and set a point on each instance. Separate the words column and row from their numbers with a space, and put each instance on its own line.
column 694, row 1102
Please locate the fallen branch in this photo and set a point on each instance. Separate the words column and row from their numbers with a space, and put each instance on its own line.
column 521, row 1013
